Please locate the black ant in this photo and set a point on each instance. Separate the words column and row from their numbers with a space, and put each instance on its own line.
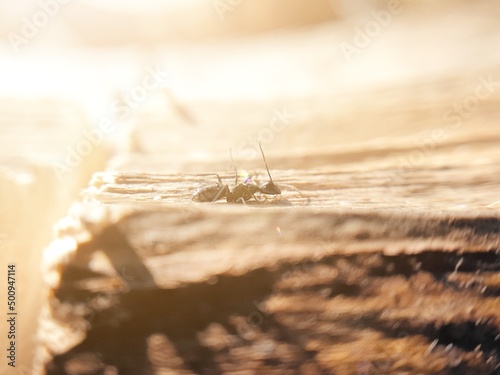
column 241, row 192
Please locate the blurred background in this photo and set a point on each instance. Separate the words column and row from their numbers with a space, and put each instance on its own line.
column 171, row 86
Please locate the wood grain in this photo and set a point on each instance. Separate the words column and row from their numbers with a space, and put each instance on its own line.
column 380, row 256
column 404, row 278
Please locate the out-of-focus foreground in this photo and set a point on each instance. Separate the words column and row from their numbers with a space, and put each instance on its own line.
column 379, row 121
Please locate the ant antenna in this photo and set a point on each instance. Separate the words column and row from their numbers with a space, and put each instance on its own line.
column 265, row 162
column 234, row 165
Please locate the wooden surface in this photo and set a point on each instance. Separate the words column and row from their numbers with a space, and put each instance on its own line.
column 339, row 314
column 348, row 274
column 381, row 254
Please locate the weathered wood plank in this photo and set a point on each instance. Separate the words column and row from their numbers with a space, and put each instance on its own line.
column 381, row 255
column 410, row 274
column 274, row 309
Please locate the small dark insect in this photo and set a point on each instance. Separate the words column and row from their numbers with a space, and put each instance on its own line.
column 240, row 192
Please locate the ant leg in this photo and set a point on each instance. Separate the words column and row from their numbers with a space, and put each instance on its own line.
column 259, row 200
column 241, row 200
column 220, row 194
column 222, row 190
column 301, row 194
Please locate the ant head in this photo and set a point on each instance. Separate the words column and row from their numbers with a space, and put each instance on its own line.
column 270, row 188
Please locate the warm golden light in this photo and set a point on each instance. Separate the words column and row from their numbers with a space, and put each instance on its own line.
column 148, row 150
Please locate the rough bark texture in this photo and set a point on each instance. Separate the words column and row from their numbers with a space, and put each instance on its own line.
column 299, row 284
column 380, row 256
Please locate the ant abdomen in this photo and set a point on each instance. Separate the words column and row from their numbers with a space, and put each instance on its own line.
column 211, row 193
